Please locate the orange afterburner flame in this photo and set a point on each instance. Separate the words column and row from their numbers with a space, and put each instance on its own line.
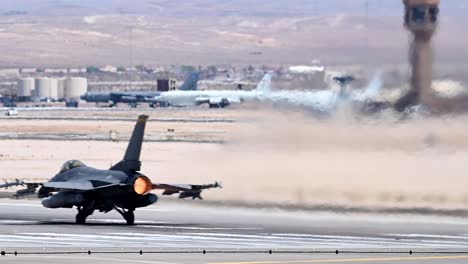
column 142, row 185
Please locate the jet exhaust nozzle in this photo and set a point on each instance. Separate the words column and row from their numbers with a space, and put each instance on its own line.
column 63, row 200
column 142, row 185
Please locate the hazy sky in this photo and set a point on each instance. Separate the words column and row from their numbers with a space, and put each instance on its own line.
column 226, row 7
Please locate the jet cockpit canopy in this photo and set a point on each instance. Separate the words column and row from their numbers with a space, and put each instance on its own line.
column 71, row 164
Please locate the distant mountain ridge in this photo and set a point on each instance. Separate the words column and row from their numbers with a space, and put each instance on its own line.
column 163, row 32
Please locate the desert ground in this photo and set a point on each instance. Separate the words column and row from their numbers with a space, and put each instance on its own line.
column 273, row 156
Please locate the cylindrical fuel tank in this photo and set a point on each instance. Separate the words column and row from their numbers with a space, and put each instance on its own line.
column 25, row 87
column 53, row 93
column 42, row 88
column 63, row 199
column 61, row 88
column 75, row 87
column 146, row 200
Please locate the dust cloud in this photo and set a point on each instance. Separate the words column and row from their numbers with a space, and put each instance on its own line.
column 290, row 157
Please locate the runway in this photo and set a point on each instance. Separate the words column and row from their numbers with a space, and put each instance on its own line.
column 234, row 259
column 191, row 227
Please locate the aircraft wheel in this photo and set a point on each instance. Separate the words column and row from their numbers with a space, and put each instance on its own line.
column 83, row 213
column 81, row 218
column 129, row 217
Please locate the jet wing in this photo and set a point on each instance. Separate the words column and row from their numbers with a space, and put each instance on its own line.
column 72, row 185
column 79, row 185
column 202, row 100
column 31, row 187
column 185, row 190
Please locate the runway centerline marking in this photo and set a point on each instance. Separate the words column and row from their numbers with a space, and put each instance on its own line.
column 357, row 260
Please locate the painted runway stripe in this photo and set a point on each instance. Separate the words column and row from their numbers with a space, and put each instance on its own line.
column 223, row 239
column 200, row 228
column 461, row 237
column 67, row 241
column 97, row 259
column 340, row 239
column 356, row 260
column 17, row 222
column 231, row 237
column 402, row 240
column 118, row 239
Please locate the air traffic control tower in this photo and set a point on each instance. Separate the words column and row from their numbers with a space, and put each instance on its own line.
column 421, row 20
column 421, row 16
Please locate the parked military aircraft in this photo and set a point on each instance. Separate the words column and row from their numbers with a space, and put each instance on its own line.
column 135, row 97
column 323, row 101
column 122, row 187
column 214, row 98
column 96, row 97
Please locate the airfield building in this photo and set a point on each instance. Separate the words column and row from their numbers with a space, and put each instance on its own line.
column 164, row 85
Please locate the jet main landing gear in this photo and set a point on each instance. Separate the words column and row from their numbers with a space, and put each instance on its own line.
column 83, row 213
column 127, row 214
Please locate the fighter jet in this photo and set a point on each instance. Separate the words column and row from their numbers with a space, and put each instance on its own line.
column 122, row 187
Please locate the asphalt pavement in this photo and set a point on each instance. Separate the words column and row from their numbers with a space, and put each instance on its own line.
column 194, row 232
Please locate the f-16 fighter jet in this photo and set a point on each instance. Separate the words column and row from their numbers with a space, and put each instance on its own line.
column 122, row 187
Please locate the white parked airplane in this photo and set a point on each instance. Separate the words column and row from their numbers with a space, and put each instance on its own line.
column 322, row 100
column 215, row 98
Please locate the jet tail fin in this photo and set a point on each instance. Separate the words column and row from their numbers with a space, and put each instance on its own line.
column 131, row 160
column 265, row 84
column 372, row 90
column 191, row 82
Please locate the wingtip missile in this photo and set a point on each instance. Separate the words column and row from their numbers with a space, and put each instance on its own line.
column 15, row 183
